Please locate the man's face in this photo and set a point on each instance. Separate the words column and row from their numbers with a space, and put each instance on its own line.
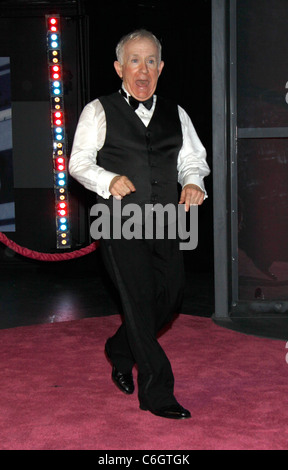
column 140, row 69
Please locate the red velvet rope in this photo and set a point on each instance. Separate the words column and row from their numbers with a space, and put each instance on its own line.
column 47, row 256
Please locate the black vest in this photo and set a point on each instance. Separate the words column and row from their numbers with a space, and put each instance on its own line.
column 146, row 155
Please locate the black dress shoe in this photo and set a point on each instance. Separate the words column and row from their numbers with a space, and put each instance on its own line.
column 124, row 382
column 172, row 412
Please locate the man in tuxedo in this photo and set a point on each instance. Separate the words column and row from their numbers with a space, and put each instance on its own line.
column 136, row 147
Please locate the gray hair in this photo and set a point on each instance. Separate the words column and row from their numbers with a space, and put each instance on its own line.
column 138, row 34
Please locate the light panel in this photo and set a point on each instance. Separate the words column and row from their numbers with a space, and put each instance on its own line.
column 56, row 91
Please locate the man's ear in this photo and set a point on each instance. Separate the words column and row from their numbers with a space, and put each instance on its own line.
column 160, row 68
column 118, row 68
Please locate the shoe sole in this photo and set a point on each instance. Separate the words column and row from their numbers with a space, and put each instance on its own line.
column 143, row 408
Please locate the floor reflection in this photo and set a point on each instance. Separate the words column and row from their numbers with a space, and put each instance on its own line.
column 72, row 291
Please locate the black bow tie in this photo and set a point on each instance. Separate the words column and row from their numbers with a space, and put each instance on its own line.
column 135, row 103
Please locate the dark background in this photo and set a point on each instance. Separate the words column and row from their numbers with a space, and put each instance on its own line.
column 90, row 32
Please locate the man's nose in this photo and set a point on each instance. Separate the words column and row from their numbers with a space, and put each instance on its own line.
column 144, row 67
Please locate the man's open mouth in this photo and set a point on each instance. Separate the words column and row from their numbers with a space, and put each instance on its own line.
column 142, row 83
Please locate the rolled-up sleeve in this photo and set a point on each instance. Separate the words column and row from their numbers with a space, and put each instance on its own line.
column 88, row 140
column 192, row 165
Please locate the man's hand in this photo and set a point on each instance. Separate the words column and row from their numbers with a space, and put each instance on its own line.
column 191, row 195
column 120, row 186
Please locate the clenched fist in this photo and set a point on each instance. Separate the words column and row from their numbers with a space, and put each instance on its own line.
column 120, row 186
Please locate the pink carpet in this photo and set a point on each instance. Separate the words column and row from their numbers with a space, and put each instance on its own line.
column 56, row 392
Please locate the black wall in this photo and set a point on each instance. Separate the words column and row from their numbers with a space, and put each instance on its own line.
column 185, row 34
column 23, row 39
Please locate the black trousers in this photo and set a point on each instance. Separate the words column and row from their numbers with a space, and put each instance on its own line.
column 149, row 275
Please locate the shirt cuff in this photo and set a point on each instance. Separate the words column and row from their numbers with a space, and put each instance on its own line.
column 103, row 186
column 193, row 179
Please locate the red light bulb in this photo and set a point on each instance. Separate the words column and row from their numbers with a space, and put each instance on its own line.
column 58, row 121
column 53, row 24
column 60, row 164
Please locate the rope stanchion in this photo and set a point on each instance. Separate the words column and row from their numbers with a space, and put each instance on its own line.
column 47, row 256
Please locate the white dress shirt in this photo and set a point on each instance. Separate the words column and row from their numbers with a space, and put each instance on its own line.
column 90, row 137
